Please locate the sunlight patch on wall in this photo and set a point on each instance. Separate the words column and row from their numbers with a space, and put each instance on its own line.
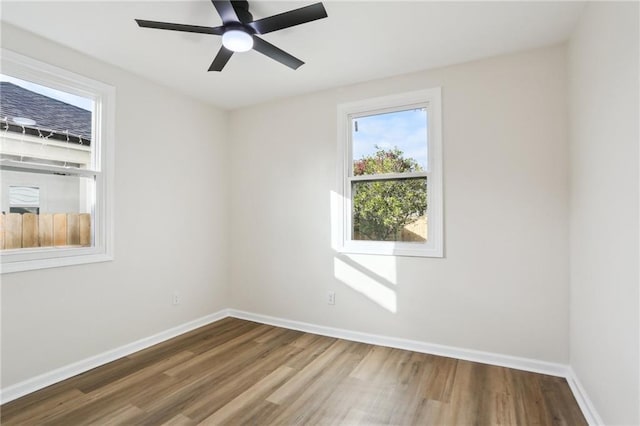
column 367, row 283
column 383, row 266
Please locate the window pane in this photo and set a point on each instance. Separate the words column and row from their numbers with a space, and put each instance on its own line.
column 394, row 142
column 390, row 210
column 43, row 125
column 45, row 210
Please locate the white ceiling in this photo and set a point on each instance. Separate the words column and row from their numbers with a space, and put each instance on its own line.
column 359, row 41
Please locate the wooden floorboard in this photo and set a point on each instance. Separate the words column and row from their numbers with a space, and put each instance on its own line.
column 238, row 372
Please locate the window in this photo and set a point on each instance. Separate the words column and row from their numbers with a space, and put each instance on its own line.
column 391, row 175
column 56, row 159
column 24, row 199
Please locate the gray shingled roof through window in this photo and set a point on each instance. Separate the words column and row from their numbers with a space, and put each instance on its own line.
column 49, row 114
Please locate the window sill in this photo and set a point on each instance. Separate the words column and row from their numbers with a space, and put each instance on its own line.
column 390, row 249
column 30, row 265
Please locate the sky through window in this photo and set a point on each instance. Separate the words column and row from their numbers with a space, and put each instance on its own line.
column 406, row 130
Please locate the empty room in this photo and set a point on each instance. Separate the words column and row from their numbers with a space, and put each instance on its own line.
column 346, row 212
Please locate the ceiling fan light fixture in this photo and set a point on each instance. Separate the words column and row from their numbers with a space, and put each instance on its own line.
column 237, row 40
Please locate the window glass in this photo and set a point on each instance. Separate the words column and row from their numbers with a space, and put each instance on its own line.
column 382, row 144
column 46, row 127
column 379, row 135
column 390, row 210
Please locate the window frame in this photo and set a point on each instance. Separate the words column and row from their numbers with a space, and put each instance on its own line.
column 434, row 246
column 103, row 138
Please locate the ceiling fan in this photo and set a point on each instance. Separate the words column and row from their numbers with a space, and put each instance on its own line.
column 240, row 32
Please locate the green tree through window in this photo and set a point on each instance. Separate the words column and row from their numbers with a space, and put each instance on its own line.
column 383, row 208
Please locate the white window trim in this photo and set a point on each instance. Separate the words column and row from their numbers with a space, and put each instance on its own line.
column 434, row 247
column 17, row 65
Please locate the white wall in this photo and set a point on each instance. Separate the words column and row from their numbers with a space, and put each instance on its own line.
column 503, row 285
column 170, row 230
column 604, row 324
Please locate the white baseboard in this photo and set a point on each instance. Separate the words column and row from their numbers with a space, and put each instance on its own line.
column 581, row 396
column 39, row 382
column 518, row 363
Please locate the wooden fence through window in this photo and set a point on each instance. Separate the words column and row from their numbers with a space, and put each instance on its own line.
column 415, row 232
column 44, row 230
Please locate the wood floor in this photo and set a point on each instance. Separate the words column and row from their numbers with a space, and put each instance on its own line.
column 238, row 372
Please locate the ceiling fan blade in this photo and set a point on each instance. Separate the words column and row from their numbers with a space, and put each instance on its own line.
column 221, row 59
column 180, row 27
column 275, row 53
column 226, row 11
column 289, row 19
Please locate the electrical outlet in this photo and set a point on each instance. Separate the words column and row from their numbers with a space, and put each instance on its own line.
column 176, row 298
column 331, row 298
